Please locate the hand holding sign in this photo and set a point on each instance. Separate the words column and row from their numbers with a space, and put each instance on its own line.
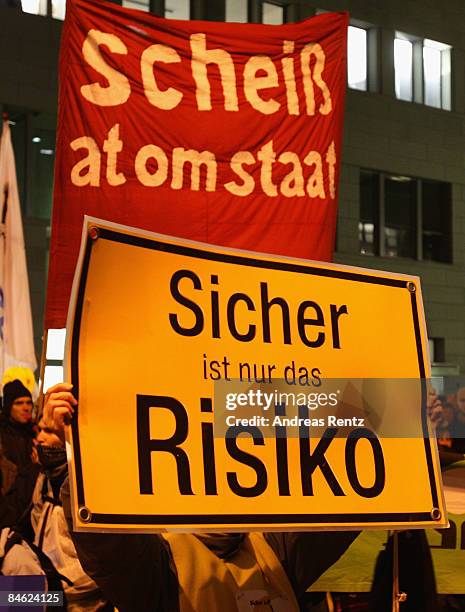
column 59, row 407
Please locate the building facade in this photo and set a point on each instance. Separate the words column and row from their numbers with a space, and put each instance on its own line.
column 402, row 189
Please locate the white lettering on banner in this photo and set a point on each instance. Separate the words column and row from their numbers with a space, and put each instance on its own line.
column 169, row 98
column 152, row 167
column 118, row 89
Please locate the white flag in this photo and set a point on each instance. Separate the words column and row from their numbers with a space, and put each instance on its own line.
column 16, row 332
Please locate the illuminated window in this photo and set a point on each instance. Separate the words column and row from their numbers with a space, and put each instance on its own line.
column 273, row 14
column 56, row 344
column 237, row 11
column 362, row 55
column 36, row 7
column 357, row 58
column 177, row 9
column 422, row 71
column 141, row 5
column 403, row 66
column 52, row 376
column 436, row 69
column 54, row 357
column 58, row 9
column 40, row 7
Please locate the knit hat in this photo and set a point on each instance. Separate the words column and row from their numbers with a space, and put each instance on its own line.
column 11, row 392
column 24, row 375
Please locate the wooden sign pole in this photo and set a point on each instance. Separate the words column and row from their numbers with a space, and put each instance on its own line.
column 43, row 360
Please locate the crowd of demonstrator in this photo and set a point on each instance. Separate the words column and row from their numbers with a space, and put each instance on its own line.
column 34, row 535
column 177, row 572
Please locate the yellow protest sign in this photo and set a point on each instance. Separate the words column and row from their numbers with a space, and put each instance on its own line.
column 169, row 342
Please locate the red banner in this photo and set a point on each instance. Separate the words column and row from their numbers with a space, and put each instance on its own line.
column 218, row 132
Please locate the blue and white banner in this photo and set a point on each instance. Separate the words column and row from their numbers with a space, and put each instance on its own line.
column 16, row 331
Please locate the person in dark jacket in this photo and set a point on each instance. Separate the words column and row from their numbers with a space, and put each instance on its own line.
column 16, row 427
column 198, row 572
column 34, row 528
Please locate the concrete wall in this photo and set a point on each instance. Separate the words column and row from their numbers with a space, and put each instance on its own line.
column 28, row 60
column 398, row 137
column 382, row 133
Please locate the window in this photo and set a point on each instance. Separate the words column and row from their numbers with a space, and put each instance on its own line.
column 56, row 344
column 362, row 54
column 400, row 212
column 437, row 69
column 177, row 9
column 402, row 216
column 237, row 11
column 40, row 7
column 357, row 68
column 141, row 5
column 58, row 9
column 33, row 136
column 369, row 210
column 437, row 350
column 174, row 9
column 437, row 216
column 36, row 7
column 422, row 71
column 403, row 67
column 273, row 14
column 54, row 357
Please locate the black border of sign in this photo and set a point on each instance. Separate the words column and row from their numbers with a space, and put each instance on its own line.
column 237, row 519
